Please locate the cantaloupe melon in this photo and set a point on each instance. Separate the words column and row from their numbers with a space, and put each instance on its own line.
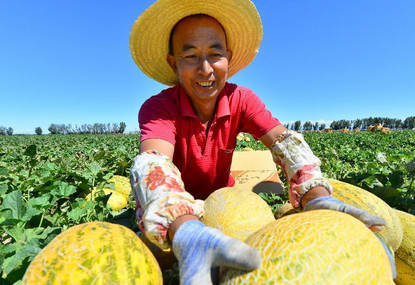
column 315, row 248
column 94, row 253
column 236, row 212
column 119, row 196
column 405, row 255
column 358, row 197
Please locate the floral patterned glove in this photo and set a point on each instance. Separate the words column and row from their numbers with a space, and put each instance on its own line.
column 200, row 249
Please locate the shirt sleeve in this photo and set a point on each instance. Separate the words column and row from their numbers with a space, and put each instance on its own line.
column 257, row 119
column 157, row 121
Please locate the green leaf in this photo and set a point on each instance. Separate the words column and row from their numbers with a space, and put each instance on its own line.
column 17, row 233
column 29, row 213
column 9, row 248
column 40, row 201
column 381, row 157
column 62, row 189
column 31, row 150
column 100, row 155
column 94, row 168
column 396, row 179
column 29, row 250
column 3, row 171
column 3, row 189
column 372, row 182
column 77, row 213
column 13, row 201
column 410, row 167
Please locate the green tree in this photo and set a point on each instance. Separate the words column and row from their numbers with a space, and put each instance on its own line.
column 297, row 125
column 38, row 131
column 307, row 126
column 122, row 127
column 409, row 123
column 10, row 131
column 357, row 124
column 53, row 129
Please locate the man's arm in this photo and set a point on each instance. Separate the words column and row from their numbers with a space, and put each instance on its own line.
column 268, row 139
column 308, row 189
column 166, row 148
column 184, row 230
column 162, row 146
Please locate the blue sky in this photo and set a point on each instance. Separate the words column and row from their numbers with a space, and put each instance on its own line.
column 68, row 62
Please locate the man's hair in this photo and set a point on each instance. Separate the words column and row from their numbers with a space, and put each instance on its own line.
column 198, row 16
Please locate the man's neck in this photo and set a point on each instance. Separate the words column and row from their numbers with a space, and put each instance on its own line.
column 205, row 111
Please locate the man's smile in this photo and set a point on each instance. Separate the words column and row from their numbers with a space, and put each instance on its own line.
column 205, row 83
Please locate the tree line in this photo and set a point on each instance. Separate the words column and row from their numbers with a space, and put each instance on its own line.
column 97, row 128
column 6, row 131
column 115, row 128
column 395, row 124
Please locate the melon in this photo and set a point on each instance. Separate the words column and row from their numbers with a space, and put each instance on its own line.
column 405, row 255
column 119, row 196
column 315, row 248
column 236, row 212
column 94, row 253
column 392, row 233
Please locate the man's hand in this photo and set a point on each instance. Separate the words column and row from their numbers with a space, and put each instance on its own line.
column 374, row 223
column 201, row 249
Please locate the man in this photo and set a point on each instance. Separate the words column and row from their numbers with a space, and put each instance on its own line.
column 188, row 132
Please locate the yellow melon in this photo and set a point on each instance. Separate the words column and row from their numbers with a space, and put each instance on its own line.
column 236, row 212
column 315, row 248
column 119, row 196
column 405, row 255
column 94, row 253
column 358, row 197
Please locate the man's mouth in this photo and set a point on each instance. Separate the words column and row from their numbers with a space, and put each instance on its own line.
column 206, row 83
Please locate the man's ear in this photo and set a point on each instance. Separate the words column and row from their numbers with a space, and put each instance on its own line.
column 229, row 52
column 172, row 62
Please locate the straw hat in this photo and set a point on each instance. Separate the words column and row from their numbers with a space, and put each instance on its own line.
column 149, row 39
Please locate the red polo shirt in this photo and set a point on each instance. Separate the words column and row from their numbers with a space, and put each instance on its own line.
column 204, row 160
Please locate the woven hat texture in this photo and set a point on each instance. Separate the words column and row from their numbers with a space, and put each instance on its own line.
column 149, row 39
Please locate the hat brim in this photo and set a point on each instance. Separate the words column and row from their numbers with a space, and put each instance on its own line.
column 149, row 39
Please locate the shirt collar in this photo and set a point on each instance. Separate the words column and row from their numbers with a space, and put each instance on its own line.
column 222, row 107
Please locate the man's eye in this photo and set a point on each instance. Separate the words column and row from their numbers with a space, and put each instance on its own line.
column 190, row 56
column 217, row 55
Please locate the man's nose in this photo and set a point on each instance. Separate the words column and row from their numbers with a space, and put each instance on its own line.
column 206, row 67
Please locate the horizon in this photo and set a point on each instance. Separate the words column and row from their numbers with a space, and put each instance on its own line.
column 69, row 62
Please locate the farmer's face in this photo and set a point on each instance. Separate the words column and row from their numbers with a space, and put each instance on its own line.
column 200, row 57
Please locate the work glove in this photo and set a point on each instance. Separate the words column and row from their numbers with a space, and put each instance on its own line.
column 331, row 203
column 372, row 222
column 201, row 250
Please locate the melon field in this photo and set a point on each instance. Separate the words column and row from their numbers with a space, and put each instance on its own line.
column 45, row 182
